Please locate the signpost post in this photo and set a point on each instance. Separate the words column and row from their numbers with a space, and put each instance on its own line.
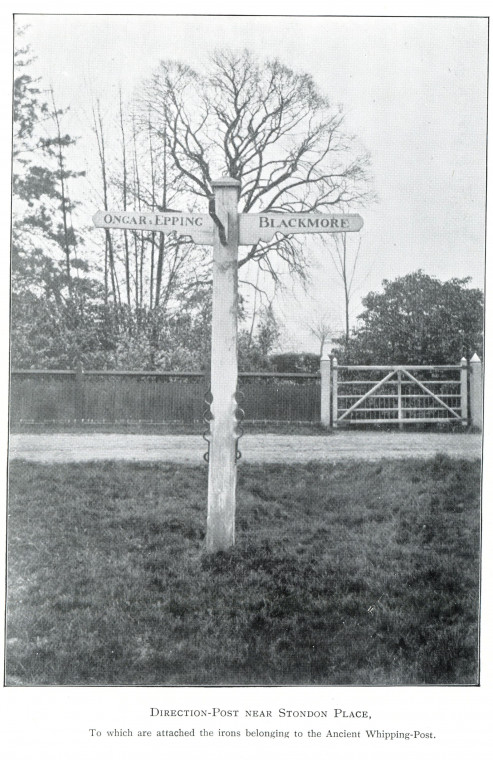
column 224, row 228
column 221, row 502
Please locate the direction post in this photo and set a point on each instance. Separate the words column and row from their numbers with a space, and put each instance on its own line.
column 225, row 229
column 224, row 370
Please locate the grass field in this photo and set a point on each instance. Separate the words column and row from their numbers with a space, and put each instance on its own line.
column 348, row 573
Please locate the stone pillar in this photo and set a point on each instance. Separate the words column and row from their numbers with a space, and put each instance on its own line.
column 79, row 392
column 335, row 402
column 224, row 370
column 476, row 392
column 325, row 396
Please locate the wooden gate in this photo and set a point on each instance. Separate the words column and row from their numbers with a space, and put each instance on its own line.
column 386, row 394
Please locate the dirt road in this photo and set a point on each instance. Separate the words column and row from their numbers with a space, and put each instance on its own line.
column 189, row 449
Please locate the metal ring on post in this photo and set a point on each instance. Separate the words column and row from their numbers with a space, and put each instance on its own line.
column 239, row 417
column 207, row 417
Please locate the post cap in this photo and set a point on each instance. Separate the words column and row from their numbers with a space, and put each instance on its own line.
column 226, row 182
column 475, row 358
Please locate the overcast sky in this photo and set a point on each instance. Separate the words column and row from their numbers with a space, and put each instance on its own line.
column 413, row 89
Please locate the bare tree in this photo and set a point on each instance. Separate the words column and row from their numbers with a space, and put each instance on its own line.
column 322, row 329
column 345, row 261
column 109, row 254
column 124, row 199
column 266, row 126
column 67, row 240
column 150, row 268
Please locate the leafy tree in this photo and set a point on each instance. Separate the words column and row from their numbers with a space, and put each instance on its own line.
column 50, row 334
column 418, row 319
column 55, row 303
column 180, row 340
column 44, row 244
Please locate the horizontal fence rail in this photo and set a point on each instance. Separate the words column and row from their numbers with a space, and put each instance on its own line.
column 65, row 396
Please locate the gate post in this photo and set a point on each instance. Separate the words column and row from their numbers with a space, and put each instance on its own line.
column 325, row 372
column 476, row 390
column 334, row 392
column 463, row 391
column 79, row 392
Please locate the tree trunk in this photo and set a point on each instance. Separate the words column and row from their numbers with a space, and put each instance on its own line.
column 125, row 190
column 64, row 199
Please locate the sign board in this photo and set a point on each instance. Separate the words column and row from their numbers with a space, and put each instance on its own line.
column 198, row 227
column 255, row 227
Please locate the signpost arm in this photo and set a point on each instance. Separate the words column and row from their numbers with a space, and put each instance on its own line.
column 224, row 370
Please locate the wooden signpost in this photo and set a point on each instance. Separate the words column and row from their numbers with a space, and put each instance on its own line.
column 255, row 227
column 199, row 227
column 225, row 229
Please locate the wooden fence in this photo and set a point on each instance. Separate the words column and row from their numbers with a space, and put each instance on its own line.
column 64, row 396
column 337, row 396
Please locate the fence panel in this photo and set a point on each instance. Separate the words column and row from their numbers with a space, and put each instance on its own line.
column 43, row 396
column 154, row 397
column 288, row 397
column 141, row 397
